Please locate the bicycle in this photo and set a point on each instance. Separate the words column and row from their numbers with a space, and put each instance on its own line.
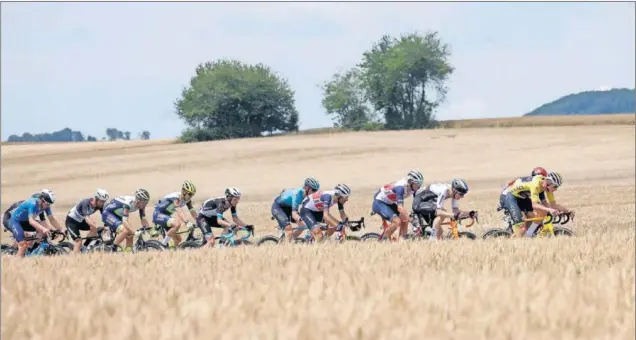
column 224, row 240
column 546, row 228
column 353, row 226
column 422, row 230
column 340, row 233
column 99, row 244
column 41, row 246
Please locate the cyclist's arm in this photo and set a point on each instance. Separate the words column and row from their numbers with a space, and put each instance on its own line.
column 294, row 208
column 55, row 223
column 142, row 218
column 35, row 224
column 236, row 218
column 193, row 211
column 400, row 193
column 343, row 215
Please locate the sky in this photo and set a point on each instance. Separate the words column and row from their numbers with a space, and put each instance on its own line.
column 90, row 66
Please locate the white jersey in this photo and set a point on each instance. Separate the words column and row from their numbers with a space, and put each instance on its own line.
column 441, row 191
column 319, row 201
column 82, row 209
column 394, row 193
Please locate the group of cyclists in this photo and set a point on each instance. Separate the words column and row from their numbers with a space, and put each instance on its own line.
column 308, row 207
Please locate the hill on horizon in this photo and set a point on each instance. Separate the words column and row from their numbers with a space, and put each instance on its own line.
column 589, row 103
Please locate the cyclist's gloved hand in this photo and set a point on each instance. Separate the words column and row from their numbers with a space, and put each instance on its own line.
column 340, row 226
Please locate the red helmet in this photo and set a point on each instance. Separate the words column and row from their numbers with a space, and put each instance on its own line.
column 539, row 171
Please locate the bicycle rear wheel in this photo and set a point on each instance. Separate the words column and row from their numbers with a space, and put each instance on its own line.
column 561, row 231
column 268, row 240
column 370, row 237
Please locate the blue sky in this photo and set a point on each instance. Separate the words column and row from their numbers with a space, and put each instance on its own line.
column 89, row 66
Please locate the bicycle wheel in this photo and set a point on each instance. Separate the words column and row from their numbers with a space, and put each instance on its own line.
column 370, row 237
column 490, row 232
column 353, row 238
column 190, row 245
column 500, row 233
column 8, row 250
column 268, row 240
column 467, row 235
column 561, row 231
column 66, row 246
column 150, row 245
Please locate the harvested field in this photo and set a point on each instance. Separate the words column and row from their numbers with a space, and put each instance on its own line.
column 565, row 288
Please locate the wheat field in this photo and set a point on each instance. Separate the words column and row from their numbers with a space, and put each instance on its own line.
column 564, row 288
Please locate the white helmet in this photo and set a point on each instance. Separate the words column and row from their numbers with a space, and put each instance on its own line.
column 555, row 178
column 234, row 192
column 342, row 190
column 416, row 176
column 48, row 196
column 142, row 195
column 101, row 195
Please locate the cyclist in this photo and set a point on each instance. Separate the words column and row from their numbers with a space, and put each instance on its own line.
column 388, row 202
column 115, row 216
column 314, row 207
column 78, row 218
column 211, row 214
column 23, row 218
column 285, row 207
column 526, row 194
column 536, row 171
column 6, row 217
column 166, row 207
column 428, row 202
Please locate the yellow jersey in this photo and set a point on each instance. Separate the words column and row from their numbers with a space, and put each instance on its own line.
column 530, row 187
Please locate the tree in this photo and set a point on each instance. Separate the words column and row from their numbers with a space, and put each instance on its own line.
column 126, row 135
column 64, row 135
column 344, row 101
column 229, row 99
column 114, row 134
column 405, row 78
column 144, row 135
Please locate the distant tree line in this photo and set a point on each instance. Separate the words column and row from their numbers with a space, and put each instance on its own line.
column 590, row 102
column 68, row 135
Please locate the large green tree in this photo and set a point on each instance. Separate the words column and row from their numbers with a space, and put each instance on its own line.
column 404, row 79
column 229, row 99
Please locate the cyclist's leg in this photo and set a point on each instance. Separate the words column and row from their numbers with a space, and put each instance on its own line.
column 18, row 233
column 428, row 210
column 389, row 213
column 168, row 223
column 204, row 223
column 310, row 222
column 512, row 204
column 283, row 218
column 73, row 230
column 114, row 224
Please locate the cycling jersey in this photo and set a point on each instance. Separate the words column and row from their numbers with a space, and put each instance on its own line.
column 83, row 209
column 529, row 187
column 122, row 206
column 291, row 198
column 168, row 204
column 215, row 207
column 321, row 201
column 393, row 193
column 435, row 192
column 29, row 208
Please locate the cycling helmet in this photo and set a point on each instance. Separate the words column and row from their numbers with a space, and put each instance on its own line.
column 460, row 186
column 234, row 192
column 188, row 187
column 142, row 195
column 312, row 183
column 539, row 171
column 48, row 196
column 101, row 195
column 415, row 176
column 555, row 178
column 342, row 190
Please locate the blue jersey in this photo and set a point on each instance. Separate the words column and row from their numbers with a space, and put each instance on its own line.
column 291, row 198
column 29, row 208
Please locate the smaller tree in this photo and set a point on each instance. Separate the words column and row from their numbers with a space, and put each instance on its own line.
column 145, row 135
column 126, row 135
column 343, row 99
column 112, row 133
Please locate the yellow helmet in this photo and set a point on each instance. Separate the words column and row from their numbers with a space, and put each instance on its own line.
column 188, row 187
